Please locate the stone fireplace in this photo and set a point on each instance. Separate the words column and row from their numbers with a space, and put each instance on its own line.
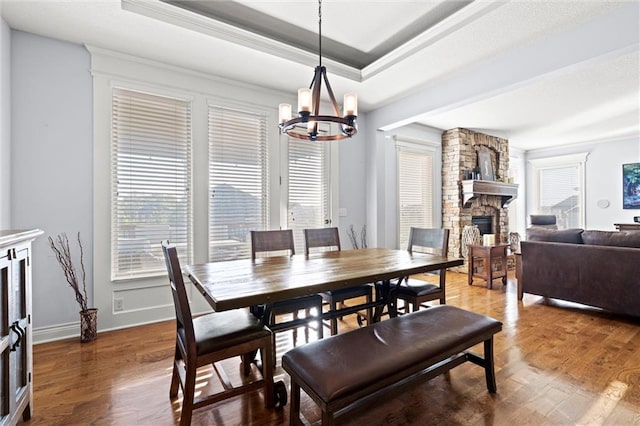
column 462, row 197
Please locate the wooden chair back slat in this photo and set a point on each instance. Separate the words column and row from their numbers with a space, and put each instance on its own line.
column 435, row 241
column 321, row 237
column 269, row 241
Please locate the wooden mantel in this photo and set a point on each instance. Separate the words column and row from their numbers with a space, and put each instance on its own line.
column 472, row 189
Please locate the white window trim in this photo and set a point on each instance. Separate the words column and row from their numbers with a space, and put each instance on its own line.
column 578, row 159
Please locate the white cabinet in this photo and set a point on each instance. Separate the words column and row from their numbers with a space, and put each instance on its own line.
column 16, row 390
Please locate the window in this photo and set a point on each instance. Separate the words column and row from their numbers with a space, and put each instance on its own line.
column 309, row 187
column 238, row 181
column 560, row 189
column 151, row 169
column 415, row 188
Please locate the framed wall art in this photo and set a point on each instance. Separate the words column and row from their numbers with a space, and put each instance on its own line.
column 486, row 165
column 631, row 186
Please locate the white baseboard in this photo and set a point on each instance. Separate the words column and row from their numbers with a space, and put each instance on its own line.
column 66, row 331
column 56, row 332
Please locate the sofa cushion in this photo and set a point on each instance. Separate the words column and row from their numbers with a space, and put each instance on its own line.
column 573, row 235
column 612, row 238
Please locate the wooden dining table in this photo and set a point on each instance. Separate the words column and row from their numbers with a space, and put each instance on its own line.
column 246, row 282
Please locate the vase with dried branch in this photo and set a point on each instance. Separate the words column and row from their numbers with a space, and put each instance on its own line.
column 88, row 316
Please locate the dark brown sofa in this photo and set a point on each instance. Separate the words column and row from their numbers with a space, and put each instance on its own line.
column 596, row 268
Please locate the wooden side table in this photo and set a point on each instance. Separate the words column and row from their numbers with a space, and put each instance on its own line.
column 493, row 260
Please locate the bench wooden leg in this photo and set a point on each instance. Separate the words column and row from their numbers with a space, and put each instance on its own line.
column 294, row 405
column 489, row 370
column 328, row 419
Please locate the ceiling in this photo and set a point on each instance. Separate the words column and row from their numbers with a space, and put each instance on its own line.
column 541, row 73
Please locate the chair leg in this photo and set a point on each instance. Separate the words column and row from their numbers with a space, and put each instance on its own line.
column 175, row 376
column 268, row 365
column 307, row 315
column 175, row 381
column 188, row 392
column 294, row 405
column 273, row 349
column 246, row 363
column 334, row 320
column 320, row 325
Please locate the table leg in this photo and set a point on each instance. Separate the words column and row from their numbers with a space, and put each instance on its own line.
column 470, row 269
column 387, row 296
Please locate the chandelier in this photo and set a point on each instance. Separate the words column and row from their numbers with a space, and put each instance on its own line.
column 309, row 122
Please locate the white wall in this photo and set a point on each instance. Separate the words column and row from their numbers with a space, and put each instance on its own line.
column 603, row 179
column 604, row 182
column 51, row 152
column 5, row 124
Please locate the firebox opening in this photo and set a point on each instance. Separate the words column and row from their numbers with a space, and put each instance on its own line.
column 484, row 223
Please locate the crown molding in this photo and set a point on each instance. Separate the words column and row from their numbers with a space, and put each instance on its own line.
column 190, row 20
column 442, row 29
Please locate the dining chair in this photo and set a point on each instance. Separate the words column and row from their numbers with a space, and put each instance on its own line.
column 544, row 221
column 329, row 239
column 269, row 243
column 207, row 339
column 414, row 291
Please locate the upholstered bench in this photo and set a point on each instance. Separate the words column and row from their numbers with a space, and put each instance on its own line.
column 341, row 370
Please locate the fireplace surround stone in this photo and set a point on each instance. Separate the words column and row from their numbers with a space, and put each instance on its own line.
column 460, row 149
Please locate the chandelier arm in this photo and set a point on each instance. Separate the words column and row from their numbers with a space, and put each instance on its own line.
column 334, row 104
column 317, row 84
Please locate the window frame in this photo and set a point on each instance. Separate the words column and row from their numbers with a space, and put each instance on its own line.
column 422, row 148
column 187, row 250
column 270, row 194
column 330, row 168
column 556, row 162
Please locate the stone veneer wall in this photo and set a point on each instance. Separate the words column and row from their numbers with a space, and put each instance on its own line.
column 459, row 155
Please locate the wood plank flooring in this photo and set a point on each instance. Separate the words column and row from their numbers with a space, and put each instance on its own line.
column 556, row 364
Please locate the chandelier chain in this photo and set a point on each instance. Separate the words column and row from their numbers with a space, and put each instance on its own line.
column 320, row 31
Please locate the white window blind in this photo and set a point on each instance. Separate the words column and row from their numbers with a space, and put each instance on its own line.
column 560, row 195
column 415, row 190
column 309, row 188
column 238, row 181
column 151, row 157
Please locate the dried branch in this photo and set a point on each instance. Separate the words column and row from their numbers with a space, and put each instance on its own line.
column 62, row 251
column 363, row 237
column 353, row 237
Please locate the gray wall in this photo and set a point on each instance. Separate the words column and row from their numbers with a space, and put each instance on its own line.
column 352, row 183
column 51, row 157
column 5, row 123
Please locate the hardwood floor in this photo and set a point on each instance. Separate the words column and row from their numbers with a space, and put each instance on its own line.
column 556, row 364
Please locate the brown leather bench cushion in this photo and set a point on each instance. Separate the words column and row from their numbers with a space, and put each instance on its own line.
column 339, row 365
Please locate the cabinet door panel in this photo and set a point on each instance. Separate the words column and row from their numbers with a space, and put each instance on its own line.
column 5, row 339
